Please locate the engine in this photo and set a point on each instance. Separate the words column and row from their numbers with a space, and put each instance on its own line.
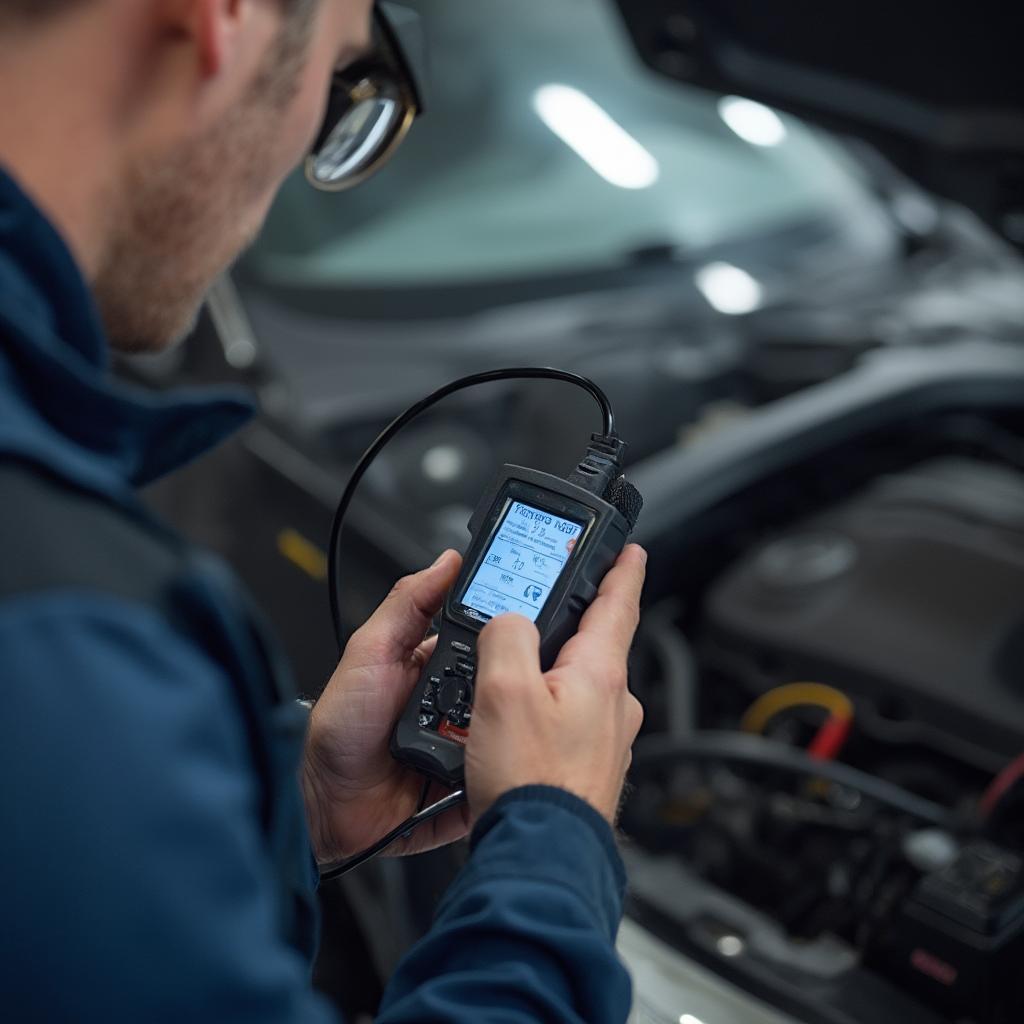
column 829, row 805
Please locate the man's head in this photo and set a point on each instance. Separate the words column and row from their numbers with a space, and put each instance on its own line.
column 204, row 106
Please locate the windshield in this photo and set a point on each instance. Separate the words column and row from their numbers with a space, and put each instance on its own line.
column 548, row 148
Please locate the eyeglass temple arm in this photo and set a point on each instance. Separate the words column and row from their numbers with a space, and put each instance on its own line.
column 404, row 30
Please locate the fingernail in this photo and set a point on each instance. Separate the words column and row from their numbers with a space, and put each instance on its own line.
column 440, row 558
column 643, row 553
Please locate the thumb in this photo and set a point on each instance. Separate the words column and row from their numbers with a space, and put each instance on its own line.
column 397, row 627
column 508, row 653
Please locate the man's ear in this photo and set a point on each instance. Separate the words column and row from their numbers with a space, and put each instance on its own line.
column 213, row 25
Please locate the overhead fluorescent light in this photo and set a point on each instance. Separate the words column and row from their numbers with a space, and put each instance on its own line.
column 729, row 289
column 753, row 122
column 595, row 137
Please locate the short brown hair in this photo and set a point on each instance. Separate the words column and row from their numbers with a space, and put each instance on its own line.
column 35, row 8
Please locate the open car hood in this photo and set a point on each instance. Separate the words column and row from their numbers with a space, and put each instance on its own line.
column 937, row 87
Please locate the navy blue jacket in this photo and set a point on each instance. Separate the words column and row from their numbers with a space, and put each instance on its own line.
column 154, row 863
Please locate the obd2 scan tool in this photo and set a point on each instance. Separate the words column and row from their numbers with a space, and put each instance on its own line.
column 540, row 547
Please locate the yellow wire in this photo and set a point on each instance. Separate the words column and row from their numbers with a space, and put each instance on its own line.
column 768, row 705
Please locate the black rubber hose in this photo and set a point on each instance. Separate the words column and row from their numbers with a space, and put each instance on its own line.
column 757, row 752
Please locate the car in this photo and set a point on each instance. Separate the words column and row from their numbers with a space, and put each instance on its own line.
column 764, row 257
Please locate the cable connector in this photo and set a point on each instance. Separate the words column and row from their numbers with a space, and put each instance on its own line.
column 598, row 470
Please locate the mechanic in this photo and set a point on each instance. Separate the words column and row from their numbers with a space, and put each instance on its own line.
column 164, row 794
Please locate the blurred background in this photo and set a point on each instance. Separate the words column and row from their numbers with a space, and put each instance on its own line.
column 779, row 317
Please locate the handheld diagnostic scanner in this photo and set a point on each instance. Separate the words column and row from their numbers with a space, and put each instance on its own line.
column 540, row 547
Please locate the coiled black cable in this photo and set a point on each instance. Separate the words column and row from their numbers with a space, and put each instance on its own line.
column 488, row 377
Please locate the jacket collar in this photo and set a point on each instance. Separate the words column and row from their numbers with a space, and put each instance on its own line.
column 59, row 404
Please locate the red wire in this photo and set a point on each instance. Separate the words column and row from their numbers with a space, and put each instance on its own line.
column 1001, row 785
column 830, row 738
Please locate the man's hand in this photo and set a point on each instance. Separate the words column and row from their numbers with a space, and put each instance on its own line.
column 355, row 791
column 571, row 727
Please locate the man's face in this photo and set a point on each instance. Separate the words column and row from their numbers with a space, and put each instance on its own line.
column 187, row 209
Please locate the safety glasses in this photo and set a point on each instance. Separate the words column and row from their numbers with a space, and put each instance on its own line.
column 371, row 108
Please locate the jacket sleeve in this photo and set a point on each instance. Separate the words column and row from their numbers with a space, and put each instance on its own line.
column 135, row 878
column 526, row 933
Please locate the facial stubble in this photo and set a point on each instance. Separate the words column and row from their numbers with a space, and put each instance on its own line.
column 180, row 218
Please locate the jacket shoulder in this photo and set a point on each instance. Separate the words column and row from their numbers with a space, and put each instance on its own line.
column 55, row 536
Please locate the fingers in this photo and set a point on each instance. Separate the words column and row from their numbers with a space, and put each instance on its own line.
column 606, row 630
column 423, row 653
column 508, row 653
column 396, row 628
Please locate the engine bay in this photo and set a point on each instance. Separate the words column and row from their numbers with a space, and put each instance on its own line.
column 828, row 800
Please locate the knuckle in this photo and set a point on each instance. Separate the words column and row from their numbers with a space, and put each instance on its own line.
column 634, row 714
column 401, row 586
